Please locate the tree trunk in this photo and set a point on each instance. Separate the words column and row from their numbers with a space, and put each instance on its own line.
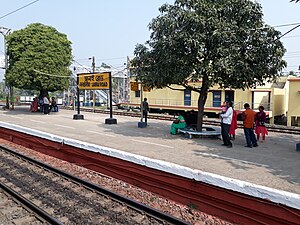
column 43, row 93
column 201, row 103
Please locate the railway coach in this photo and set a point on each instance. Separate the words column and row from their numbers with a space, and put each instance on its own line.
column 278, row 99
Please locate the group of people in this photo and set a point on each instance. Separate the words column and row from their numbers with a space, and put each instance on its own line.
column 44, row 104
column 252, row 121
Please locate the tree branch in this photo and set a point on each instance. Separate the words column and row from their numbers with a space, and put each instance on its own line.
column 186, row 87
column 175, row 89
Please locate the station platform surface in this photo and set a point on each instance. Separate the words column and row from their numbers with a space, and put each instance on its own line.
column 274, row 163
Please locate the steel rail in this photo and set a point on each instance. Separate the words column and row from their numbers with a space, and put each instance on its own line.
column 40, row 213
column 131, row 203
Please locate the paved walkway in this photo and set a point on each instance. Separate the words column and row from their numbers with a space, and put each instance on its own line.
column 274, row 163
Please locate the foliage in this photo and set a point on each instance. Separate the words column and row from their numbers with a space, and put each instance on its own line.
column 222, row 42
column 35, row 52
column 104, row 65
column 2, row 90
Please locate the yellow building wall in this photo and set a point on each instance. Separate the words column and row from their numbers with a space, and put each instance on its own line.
column 167, row 96
column 278, row 106
column 293, row 100
column 241, row 97
column 158, row 96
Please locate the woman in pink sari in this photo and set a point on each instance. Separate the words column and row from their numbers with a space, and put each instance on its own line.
column 34, row 105
column 260, row 120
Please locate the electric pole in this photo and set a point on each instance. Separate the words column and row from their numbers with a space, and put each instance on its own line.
column 5, row 31
column 94, row 92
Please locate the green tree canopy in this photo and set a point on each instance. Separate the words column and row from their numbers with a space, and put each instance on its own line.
column 224, row 42
column 36, row 53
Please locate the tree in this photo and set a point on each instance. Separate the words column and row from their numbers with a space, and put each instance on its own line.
column 104, row 65
column 292, row 73
column 2, row 90
column 39, row 59
column 296, row 1
column 222, row 42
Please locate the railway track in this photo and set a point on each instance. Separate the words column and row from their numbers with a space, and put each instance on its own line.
column 271, row 128
column 16, row 210
column 56, row 197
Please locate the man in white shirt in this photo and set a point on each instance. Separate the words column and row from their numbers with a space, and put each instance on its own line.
column 46, row 105
column 226, row 119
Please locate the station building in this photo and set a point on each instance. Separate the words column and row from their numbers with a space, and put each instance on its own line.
column 280, row 99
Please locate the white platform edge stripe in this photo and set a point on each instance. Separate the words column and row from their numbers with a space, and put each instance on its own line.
column 274, row 195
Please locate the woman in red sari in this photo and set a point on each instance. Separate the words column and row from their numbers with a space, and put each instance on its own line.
column 260, row 120
column 233, row 125
column 34, row 105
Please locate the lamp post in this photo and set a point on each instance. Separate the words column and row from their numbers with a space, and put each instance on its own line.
column 5, row 31
column 77, row 116
column 93, row 70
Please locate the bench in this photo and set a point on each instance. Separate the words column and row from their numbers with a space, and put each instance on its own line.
column 206, row 132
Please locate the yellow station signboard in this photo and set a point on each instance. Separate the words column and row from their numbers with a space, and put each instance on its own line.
column 134, row 86
column 93, row 81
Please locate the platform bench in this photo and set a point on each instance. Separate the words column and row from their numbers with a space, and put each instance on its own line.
column 206, row 132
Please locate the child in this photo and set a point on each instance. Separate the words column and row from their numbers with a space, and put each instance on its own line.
column 224, row 108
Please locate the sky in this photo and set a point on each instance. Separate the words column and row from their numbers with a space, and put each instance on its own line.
column 110, row 30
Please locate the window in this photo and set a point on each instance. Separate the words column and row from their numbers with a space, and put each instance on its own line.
column 137, row 93
column 216, row 98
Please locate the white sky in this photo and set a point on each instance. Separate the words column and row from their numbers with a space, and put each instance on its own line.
column 109, row 30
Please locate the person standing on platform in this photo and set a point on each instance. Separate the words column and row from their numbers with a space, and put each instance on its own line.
column 46, row 105
column 233, row 126
column 34, row 105
column 260, row 127
column 226, row 119
column 145, row 109
column 41, row 103
column 53, row 105
column 248, row 118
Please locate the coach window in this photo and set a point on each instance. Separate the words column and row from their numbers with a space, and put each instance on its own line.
column 137, row 93
column 216, row 98
column 187, row 97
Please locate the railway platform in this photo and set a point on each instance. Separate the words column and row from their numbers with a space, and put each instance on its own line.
column 274, row 163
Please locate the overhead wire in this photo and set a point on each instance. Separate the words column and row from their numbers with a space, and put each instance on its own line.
column 51, row 75
column 82, row 65
column 291, row 36
column 1, row 17
column 294, row 28
column 287, row 25
column 102, row 59
column 113, row 67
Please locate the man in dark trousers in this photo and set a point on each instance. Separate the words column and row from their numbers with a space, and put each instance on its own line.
column 226, row 119
column 145, row 109
column 248, row 117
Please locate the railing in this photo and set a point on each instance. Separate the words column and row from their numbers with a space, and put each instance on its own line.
column 174, row 102
column 208, row 104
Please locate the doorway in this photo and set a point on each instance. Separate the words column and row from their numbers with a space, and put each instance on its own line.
column 229, row 96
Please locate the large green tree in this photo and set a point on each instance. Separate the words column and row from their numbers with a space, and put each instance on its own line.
column 39, row 59
column 217, row 42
